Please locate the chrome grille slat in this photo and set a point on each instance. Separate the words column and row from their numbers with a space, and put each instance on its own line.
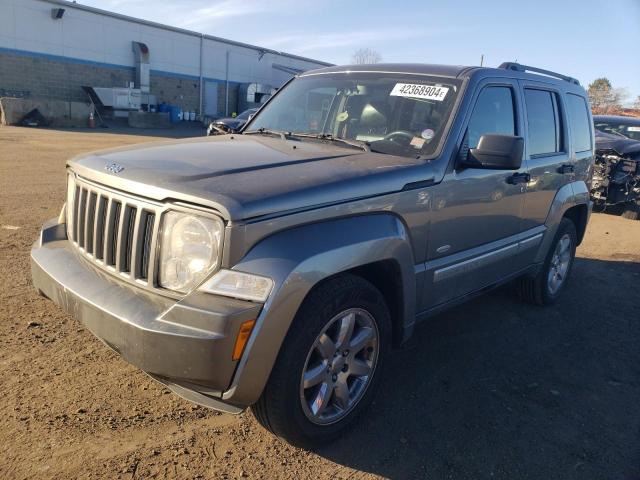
column 76, row 212
column 99, row 226
column 127, row 243
column 153, row 254
column 82, row 206
column 137, row 240
column 147, row 236
column 118, row 232
column 115, row 224
column 107, row 231
column 89, row 221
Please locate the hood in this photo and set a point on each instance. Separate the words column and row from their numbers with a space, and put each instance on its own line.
column 618, row 143
column 247, row 176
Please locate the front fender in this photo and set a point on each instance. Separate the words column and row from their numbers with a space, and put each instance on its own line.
column 297, row 260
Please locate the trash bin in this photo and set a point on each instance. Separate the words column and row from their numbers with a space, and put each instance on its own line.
column 174, row 113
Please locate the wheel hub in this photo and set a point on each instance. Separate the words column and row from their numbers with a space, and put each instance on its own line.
column 339, row 366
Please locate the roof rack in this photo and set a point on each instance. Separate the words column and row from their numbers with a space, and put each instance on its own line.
column 526, row 68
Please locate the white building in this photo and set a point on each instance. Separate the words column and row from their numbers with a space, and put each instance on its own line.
column 51, row 48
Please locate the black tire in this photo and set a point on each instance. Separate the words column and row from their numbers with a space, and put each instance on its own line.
column 536, row 290
column 632, row 211
column 279, row 408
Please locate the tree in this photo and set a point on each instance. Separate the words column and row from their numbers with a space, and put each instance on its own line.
column 603, row 97
column 365, row 56
column 636, row 104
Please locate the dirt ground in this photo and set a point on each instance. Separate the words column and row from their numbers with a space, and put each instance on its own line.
column 491, row 389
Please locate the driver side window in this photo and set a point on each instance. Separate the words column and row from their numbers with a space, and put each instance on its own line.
column 493, row 113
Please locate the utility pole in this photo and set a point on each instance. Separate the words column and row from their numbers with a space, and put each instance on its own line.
column 481, row 59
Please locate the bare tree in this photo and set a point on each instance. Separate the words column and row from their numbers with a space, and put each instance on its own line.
column 636, row 104
column 365, row 56
column 604, row 98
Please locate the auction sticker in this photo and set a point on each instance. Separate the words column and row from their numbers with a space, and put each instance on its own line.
column 417, row 142
column 428, row 92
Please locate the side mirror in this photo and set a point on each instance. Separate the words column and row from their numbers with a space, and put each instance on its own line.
column 496, row 151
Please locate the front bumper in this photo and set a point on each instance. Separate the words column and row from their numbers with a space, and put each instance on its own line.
column 186, row 345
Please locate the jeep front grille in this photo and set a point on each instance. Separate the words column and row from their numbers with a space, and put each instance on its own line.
column 116, row 231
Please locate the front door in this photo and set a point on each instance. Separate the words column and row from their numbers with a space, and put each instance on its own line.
column 476, row 213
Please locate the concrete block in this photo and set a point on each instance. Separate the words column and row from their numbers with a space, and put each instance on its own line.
column 149, row 120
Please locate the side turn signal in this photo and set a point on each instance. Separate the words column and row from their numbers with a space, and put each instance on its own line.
column 241, row 339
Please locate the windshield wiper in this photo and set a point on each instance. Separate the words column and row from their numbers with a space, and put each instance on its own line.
column 323, row 136
column 327, row 136
column 266, row 131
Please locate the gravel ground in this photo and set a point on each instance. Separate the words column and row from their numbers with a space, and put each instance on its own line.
column 490, row 389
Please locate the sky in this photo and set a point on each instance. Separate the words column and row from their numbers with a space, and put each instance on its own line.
column 585, row 39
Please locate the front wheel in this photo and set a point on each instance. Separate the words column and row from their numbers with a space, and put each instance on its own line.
column 329, row 364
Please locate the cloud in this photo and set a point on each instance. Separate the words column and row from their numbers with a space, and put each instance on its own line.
column 190, row 14
column 303, row 43
column 202, row 18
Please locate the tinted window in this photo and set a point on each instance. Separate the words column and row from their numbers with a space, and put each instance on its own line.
column 579, row 122
column 542, row 120
column 493, row 113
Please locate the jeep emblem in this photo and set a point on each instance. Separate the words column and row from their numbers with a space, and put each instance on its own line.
column 113, row 167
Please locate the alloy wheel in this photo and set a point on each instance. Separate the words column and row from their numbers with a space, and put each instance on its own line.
column 339, row 367
column 559, row 266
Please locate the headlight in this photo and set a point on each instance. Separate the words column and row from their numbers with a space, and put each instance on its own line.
column 190, row 248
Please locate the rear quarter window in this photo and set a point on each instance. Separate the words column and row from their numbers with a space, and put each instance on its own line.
column 579, row 118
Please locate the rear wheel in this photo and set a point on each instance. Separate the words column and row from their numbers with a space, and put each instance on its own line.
column 547, row 285
column 329, row 364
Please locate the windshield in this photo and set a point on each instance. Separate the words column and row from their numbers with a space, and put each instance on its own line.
column 630, row 131
column 389, row 113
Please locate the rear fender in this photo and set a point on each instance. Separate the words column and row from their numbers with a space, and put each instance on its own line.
column 569, row 195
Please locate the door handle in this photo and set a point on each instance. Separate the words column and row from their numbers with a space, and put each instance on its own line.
column 517, row 178
column 564, row 169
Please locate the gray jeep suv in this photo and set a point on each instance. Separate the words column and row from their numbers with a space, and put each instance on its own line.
column 276, row 268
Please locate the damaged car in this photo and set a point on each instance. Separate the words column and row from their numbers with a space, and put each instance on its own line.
column 226, row 125
column 616, row 174
column 627, row 126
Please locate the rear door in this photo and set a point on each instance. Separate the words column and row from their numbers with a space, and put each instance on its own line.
column 547, row 156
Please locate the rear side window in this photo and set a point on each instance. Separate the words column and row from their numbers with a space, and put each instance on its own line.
column 578, row 113
column 493, row 113
column 543, row 122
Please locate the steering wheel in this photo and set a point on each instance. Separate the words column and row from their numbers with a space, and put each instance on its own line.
column 399, row 134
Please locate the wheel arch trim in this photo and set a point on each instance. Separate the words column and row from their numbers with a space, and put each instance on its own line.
column 570, row 195
column 298, row 260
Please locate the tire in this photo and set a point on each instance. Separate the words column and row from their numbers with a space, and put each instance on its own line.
column 286, row 404
column 632, row 211
column 541, row 289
